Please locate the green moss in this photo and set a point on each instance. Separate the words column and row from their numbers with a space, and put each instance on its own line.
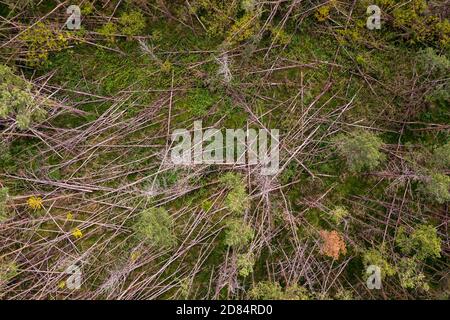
column 8, row 270
column 3, row 199
column 197, row 102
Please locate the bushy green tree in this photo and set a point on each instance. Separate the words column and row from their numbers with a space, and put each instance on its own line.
column 436, row 186
column 423, row 242
column 238, row 233
column 155, row 227
column 361, row 150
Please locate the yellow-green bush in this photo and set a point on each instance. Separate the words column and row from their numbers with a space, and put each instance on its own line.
column 108, row 31
column 422, row 26
column 244, row 29
column 376, row 257
column 410, row 276
column 322, row 13
column 41, row 40
column 132, row 23
column 423, row 242
column 216, row 16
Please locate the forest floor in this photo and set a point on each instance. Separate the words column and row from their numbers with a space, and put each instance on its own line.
column 88, row 192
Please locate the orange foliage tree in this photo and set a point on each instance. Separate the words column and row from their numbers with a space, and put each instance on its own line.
column 333, row 244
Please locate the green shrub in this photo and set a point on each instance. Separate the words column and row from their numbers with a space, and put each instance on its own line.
column 17, row 100
column 338, row 214
column 216, row 16
column 439, row 96
column 155, row 226
column 231, row 179
column 87, row 8
column 429, row 61
column 441, row 157
column 238, row 233
column 322, row 13
column 5, row 155
column 245, row 264
column 436, row 187
column 410, row 277
column 361, row 150
column 41, row 40
column 344, row 294
column 237, row 200
column 244, row 29
column 421, row 26
column 266, row 290
column 248, row 5
column 376, row 257
column 423, row 242
column 109, row 31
